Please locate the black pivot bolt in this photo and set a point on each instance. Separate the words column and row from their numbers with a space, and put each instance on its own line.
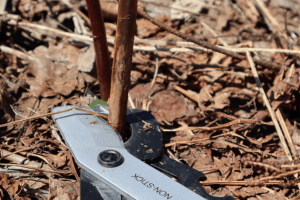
column 110, row 158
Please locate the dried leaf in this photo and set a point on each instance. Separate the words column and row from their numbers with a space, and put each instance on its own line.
column 66, row 83
column 223, row 168
column 86, row 59
column 58, row 160
column 42, row 70
column 63, row 190
column 14, row 187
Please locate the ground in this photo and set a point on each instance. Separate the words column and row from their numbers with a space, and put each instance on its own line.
column 236, row 123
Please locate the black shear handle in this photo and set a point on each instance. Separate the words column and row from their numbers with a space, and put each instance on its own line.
column 186, row 176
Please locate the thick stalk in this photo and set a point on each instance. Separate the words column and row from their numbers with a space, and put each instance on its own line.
column 122, row 64
column 101, row 49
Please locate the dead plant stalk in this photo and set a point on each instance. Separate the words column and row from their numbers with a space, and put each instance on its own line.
column 101, row 48
column 271, row 111
column 122, row 64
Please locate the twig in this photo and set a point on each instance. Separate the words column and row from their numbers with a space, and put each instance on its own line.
column 190, row 47
column 204, row 139
column 81, row 14
column 186, row 10
column 183, row 124
column 122, row 64
column 101, row 48
column 240, row 11
column 286, row 132
column 73, row 166
column 156, row 71
column 19, row 54
column 186, row 93
column 271, row 111
column 67, row 3
column 44, row 159
column 36, row 168
column 213, row 33
column 25, row 183
column 267, row 167
column 12, row 108
column 146, row 104
column 2, row 5
column 35, row 179
column 287, row 136
column 173, row 156
column 285, row 174
column 53, row 113
column 23, row 149
column 270, row 20
column 205, row 44
column 52, row 31
column 275, row 182
column 21, row 159
column 130, row 101
column 10, row 196
column 78, row 23
column 55, row 134
column 77, row 26
column 173, row 50
column 233, row 122
column 175, row 73
column 285, row 51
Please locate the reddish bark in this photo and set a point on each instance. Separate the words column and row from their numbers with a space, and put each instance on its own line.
column 101, row 49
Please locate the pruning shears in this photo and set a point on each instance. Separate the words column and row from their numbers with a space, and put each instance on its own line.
column 136, row 169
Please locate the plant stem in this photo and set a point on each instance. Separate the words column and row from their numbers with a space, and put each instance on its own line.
column 122, row 64
column 101, row 49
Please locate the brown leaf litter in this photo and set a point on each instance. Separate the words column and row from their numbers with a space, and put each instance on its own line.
column 212, row 113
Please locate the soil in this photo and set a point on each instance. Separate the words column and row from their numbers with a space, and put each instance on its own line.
column 214, row 114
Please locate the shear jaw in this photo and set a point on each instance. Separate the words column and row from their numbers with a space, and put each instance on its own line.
column 87, row 140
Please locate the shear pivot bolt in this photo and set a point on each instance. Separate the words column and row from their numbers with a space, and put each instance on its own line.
column 110, row 158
